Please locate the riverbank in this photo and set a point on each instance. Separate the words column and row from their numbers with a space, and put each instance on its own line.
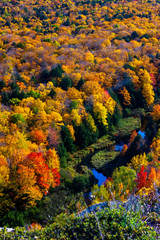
column 105, row 154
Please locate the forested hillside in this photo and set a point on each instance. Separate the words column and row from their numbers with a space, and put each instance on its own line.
column 79, row 85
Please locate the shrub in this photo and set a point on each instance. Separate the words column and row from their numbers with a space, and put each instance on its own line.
column 17, row 117
column 116, row 223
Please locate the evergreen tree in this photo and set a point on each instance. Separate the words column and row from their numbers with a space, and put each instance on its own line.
column 67, row 139
column 33, row 79
column 67, row 23
column 15, row 93
column 54, row 82
column 5, row 97
column 44, row 76
column 84, row 136
column 80, row 183
column 66, row 83
column 113, row 95
column 134, row 35
column 14, row 86
column 56, row 71
column 62, row 153
column 52, row 93
column 22, row 95
column 2, row 84
column 80, row 83
column 116, row 115
column 81, row 135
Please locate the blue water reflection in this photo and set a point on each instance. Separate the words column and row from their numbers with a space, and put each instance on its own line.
column 142, row 134
column 119, row 147
column 99, row 176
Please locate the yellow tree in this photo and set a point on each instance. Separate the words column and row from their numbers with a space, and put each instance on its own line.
column 126, row 96
column 92, row 87
column 146, row 85
column 89, row 57
column 76, row 117
column 72, row 131
column 100, row 113
column 108, row 102
column 4, row 172
column 138, row 161
column 16, row 146
column 25, row 185
column 155, row 147
column 156, row 112
column 91, row 122
column 5, row 201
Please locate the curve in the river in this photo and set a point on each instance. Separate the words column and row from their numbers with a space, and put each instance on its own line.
column 117, row 147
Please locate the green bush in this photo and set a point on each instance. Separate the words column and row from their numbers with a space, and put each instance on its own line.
column 80, row 183
column 102, row 158
column 66, row 83
column 108, row 224
column 14, row 101
column 127, row 125
column 17, row 117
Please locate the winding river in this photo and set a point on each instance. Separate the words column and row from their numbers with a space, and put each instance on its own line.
column 117, row 147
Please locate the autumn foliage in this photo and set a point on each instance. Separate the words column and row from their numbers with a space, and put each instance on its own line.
column 150, row 180
column 69, row 70
column 141, row 178
column 31, row 178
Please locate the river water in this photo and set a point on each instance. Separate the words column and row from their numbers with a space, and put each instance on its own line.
column 99, row 176
column 118, row 147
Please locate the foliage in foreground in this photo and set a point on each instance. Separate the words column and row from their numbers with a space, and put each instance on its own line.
column 106, row 224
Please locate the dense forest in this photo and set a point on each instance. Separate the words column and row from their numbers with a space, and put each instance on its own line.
column 80, row 90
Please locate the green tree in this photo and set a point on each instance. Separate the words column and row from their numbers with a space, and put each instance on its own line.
column 62, row 153
column 80, row 83
column 44, row 76
column 66, row 83
column 124, row 176
column 80, row 183
column 33, row 79
column 56, row 71
column 67, row 22
column 84, row 136
column 67, row 139
column 5, row 97
column 2, row 84
column 52, row 93
column 17, row 117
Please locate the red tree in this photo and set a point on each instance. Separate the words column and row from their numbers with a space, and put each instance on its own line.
column 141, row 178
